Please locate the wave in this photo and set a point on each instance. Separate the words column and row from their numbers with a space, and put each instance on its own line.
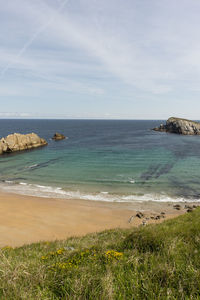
column 32, row 166
column 46, row 191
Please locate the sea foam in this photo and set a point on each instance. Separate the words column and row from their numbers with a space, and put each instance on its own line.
column 58, row 192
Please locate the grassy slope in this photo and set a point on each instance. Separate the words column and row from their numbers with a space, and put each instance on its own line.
column 153, row 262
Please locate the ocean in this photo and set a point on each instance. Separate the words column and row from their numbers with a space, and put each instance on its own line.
column 103, row 160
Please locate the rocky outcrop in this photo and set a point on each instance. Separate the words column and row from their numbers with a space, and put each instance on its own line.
column 58, row 136
column 180, row 126
column 18, row 142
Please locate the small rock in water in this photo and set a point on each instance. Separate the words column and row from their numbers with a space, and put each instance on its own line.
column 58, row 136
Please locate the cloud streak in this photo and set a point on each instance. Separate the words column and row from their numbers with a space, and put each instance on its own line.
column 111, row 49
column 32, row 39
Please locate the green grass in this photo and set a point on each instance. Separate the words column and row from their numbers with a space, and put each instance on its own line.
column 153, row 262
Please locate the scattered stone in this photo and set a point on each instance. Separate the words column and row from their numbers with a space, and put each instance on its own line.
column 177, row 206
column 140, row 215
column 194, row 206
column 188, row 206
column 58, row 136
column 69, row 248
column 162, row 213
column 189, row 210
column 158, row 217
column 130, row 219
column 19, row 142
column 144, row 223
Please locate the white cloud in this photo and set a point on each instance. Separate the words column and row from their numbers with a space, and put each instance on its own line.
column 14, row 115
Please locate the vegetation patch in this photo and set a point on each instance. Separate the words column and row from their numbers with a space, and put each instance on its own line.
column 151, row 262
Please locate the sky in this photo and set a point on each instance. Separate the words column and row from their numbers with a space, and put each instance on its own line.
column 109, row 59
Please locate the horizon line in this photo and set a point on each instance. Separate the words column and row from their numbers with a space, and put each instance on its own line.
column 95, row 119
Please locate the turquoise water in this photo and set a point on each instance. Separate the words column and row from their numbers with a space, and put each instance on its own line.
column 103, row 160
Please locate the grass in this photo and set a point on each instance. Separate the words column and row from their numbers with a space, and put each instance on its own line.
column 151, row 262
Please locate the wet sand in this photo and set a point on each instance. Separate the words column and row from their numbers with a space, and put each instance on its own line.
column 27, row 219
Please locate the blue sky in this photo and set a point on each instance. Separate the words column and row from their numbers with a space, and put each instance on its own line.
column 126, row 59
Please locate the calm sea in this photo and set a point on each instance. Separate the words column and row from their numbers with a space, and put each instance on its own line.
column 103, row 160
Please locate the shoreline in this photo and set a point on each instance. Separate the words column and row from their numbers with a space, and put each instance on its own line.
column 27, row 219
column 57, row 192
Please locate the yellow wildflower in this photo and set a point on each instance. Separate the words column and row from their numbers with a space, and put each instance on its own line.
column 110, row 254
column 44, row 257
column 60, row 251
column 7, row 248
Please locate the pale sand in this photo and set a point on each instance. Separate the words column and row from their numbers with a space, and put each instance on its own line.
column 26, row 219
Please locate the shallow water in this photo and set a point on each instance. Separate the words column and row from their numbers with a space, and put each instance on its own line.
column 103, row 160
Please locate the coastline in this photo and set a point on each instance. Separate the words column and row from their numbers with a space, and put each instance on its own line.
column 28, row 219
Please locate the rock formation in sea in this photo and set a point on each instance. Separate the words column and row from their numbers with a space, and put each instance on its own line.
column 18, row 142
column 58, row 136
column 180, row 126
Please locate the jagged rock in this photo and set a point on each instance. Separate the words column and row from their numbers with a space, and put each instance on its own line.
column 18, row 142
column 180, row 126
column 188, row 206
column 140, row 215
column 58, row 136
column 177, row 206
column 157, row 217
column 131, row 219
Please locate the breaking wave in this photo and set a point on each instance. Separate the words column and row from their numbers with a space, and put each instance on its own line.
column 46, row 191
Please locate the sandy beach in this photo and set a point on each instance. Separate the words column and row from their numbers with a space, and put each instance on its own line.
column 27, row 219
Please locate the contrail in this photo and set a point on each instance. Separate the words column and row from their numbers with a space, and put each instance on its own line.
column 31, row 40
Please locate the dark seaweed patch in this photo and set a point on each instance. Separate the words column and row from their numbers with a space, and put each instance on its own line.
column 45, row 164
column 184, row 190
column 150, row 172
column 39, row 165
column 164, row 170
column 155, row 171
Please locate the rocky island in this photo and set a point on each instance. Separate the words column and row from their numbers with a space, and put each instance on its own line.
column 180, row 126
column 18, row 142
